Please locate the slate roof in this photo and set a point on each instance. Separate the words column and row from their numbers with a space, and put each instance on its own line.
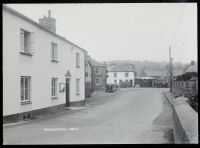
column 160, row 72
column 122, row 68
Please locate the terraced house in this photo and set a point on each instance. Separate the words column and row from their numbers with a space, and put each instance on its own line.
column 42, row 71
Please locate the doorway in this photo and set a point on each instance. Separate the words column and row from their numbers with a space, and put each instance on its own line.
column 131, row 81
column 67, row 91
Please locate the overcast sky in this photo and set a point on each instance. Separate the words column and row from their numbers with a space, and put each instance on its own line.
column 136, row 31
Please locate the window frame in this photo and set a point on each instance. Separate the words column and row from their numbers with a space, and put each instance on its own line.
column 54, row 52
column 114, row 74
column 126, row 74
column 26, row 40
column 24, row 89
column 54, row 87
column 78, row 86
column 78, row 60
column 100, row 83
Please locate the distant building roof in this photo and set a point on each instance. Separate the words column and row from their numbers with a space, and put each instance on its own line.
column 145, row 78
column 192, row 68
column 159, row 72
column 122, row 68
column 143, row 74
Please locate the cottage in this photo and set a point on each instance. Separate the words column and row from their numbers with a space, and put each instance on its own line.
column 98, row 74
column 42, row 70
column 121, row 73
column 88, row 77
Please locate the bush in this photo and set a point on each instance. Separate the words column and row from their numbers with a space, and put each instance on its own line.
column 193, row 100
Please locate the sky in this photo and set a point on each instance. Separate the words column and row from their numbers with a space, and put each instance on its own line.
column 126, row 31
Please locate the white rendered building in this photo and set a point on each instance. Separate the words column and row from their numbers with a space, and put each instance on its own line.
column 41, row 69
column 121, row 73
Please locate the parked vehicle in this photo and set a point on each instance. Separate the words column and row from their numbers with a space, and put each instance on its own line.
column 111, row 87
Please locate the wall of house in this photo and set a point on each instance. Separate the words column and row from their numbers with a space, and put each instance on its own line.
column 88, row 70
column 38, row 66
column 101, row 75
column 88, row 80
column 120, row 76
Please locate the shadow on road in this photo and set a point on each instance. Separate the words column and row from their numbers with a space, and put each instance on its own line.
column 165, row 121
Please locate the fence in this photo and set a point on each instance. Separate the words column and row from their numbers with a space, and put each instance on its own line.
column 182, row 87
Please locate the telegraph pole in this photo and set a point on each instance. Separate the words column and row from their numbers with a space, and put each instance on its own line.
column 170, row 69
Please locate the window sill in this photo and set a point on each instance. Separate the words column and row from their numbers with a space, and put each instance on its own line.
column 77, row 93
column 26, row 53
column 54, row 98
column 24, row 103
column 56, row 61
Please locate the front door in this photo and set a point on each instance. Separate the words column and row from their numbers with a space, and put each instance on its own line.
column 67, row 91
column 131, row 81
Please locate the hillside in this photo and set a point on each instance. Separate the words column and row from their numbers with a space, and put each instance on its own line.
column 152, row 67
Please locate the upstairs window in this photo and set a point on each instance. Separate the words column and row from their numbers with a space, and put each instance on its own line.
column 77, row 60
column 54, row 52
column 98, row 70
column 126, row 74
column 115, row 74
column 27, row 42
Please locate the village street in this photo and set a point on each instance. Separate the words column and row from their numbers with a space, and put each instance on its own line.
column 128, row 116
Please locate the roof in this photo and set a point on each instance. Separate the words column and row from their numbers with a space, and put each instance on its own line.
column 192, row 68
column 93, row 62
column 16, row 13
column 143, row 74
column 145, row 78
column 122, row 68
column 159, row 72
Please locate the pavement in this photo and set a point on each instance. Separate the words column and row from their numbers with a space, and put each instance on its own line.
column 128, row 116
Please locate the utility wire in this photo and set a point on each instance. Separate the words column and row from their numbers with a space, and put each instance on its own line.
column 179, row 21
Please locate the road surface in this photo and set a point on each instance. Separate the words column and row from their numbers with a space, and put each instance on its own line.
column 128, row 116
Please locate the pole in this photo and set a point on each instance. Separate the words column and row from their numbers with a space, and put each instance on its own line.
column 170, row 69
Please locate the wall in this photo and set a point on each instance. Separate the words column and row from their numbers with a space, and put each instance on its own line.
column 101, row 75
column 120, row 76
column 39, row 67
column 182, row 87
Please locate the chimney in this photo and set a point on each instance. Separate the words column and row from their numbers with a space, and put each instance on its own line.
column 49, row 13
column 48, row 22
column 192, row 62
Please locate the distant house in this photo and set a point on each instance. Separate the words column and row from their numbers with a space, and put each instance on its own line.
column 193, row 67
column 187, row 82
column 158, row 77
column 96, row 74
column 121, row 73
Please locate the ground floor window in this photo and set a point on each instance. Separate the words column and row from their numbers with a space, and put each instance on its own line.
column 77, row 85
column 98, row 81
column 25, row 88
column 54, row 85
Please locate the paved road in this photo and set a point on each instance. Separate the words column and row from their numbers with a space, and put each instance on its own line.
column 129, row 116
